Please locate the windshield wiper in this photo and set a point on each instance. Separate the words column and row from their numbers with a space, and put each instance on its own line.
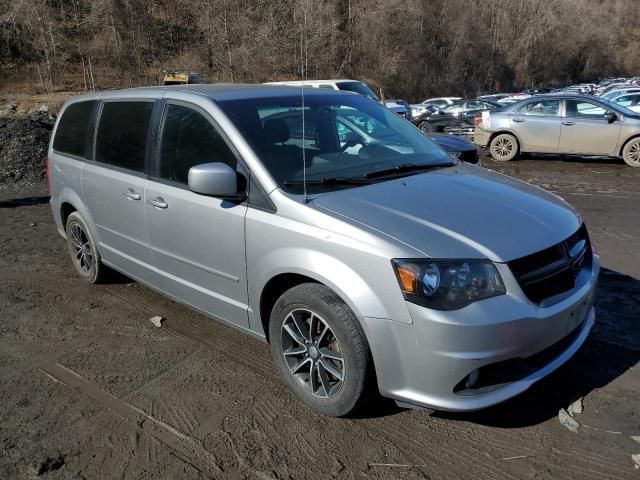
column 330, row 181
column 404, row 168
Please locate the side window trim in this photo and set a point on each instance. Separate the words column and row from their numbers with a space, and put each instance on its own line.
column 98, row 116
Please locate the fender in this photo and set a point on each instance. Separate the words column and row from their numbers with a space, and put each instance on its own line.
column 328, row 270
column 68, row 195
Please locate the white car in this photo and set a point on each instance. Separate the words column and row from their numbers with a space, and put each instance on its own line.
column 355, row 86
column 441, row 102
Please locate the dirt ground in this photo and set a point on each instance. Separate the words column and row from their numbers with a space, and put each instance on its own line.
column 89, row 388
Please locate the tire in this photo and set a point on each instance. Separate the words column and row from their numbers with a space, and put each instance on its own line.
column 83, row 251
column 426, row 127
column 631, row 152
column 504, row 147
column 302, row 367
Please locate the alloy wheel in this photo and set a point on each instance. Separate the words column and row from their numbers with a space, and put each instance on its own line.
column 82, row 248
column 503, row 148
column 312, row 353
column 633, row 153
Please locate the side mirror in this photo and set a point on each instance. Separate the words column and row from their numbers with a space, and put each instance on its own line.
column 214, row 179
column 610, row 117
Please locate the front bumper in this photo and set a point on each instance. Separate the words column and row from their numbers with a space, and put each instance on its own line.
column 423, row 363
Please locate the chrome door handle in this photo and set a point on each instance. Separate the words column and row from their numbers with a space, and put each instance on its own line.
column 568, row 124
column 518, row 120
column 131, row 194
column 158, row 202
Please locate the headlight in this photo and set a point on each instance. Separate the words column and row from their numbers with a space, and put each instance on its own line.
column 447, row 284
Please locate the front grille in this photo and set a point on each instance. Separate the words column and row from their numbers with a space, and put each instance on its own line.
column 555, row 270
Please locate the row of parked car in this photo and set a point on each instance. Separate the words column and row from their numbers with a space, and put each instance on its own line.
column 601, row 119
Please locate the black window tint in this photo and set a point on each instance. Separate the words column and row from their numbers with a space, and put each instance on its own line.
column 122, row 134
column 189, row 139
column 73, row 129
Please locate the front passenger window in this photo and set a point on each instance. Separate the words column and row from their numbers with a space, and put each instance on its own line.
column 189, row 139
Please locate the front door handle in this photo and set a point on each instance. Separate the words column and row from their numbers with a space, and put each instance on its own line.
column 568, row 124
column 158, row 202
column 518, row 120
column 131, row 194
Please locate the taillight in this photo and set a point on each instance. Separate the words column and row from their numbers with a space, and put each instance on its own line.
column 477, row 119
column 47, row 174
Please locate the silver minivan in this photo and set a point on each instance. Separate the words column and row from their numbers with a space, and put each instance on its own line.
column 388, row 267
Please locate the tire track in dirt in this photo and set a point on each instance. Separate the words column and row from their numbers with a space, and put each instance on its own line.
column 185, row 447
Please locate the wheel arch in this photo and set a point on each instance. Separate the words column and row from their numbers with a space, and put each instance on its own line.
column 69, row 202
column 624, row 144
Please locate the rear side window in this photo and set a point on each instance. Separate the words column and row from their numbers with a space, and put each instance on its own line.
column 189, row 139
column 122, row 134
column 73, row 130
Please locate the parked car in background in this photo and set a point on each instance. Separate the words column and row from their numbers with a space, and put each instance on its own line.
column 441, row 102
column 566, row 124
column 456, row 146
column 418, row 109
column 629, row 100
column 432, row 282
column 513, row 98
column 401, row 107
column 536, row 91
column 618, row 92
column 494, row 97
column 346, row 85
column 457, row 117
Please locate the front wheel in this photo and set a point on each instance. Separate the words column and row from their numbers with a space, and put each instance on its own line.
column 504, row 147
column 631, row 153
column 320, row 351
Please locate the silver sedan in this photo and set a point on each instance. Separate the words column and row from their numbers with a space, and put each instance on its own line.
column 565, row 124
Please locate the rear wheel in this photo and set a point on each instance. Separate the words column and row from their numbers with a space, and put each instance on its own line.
column 82, row 248
column 319, row 350
column 426, row 127
column 631, row 153
column 504, row 147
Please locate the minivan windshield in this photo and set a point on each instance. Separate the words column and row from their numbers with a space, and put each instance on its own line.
column 348, row 140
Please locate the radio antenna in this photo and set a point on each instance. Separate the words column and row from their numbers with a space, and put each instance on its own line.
column 303, row 72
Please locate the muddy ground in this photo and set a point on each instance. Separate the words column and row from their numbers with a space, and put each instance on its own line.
column 89, row 388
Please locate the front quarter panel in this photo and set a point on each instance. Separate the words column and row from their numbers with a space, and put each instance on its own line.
column 355, row 264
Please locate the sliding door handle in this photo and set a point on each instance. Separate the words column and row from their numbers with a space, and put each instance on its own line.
column 158, row 202
column 131, row 194
column 568, row 124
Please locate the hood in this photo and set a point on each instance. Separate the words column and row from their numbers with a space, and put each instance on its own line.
column 459, row 212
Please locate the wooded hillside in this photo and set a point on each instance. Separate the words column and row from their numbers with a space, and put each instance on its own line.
column 411, row 48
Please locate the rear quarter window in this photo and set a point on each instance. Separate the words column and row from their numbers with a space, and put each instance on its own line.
column 74, row 129
column 121, row 140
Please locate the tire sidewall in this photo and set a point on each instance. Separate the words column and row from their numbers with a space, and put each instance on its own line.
column 513, row 139
column 92, row 275
column 325, row 305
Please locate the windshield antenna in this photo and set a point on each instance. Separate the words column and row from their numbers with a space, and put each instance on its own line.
column 303, row 72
